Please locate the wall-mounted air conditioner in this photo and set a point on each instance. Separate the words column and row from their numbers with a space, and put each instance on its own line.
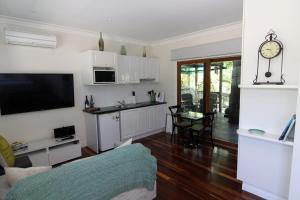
column 30, row 39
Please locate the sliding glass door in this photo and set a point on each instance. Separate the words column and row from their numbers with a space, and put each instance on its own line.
column 192, row 90
column 211, row 85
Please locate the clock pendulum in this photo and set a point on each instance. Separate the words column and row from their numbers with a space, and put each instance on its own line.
column 270, row 49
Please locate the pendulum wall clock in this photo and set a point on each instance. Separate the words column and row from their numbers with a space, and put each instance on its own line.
column 269, row 49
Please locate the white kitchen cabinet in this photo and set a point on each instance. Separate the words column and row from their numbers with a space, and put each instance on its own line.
column 129, row 123
column 102, row 59
column 91, row 122
column 123, row 69
column 143, row 64
column 143, row 120
column 156, row 117
column 93, row 59
column 103, row 131
column 136, row 122
column 134, row 69
column 149, row 69
column 153, row 65
column 109, row 130
column 128, row 69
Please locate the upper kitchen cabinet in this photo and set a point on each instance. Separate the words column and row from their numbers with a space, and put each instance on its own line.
column 118, row 69
column 132, row 69
column 98, row 67
column 149, row 69
column 102, row 59
column 128, row 70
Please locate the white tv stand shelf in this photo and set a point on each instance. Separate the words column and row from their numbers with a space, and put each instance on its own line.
column 50, row 152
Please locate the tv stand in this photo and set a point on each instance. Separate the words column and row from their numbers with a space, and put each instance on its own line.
column 64, row 138
column 48, row 152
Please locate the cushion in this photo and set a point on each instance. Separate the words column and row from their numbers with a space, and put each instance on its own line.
column 127, row 142
column 6, row 153
column 13, row 174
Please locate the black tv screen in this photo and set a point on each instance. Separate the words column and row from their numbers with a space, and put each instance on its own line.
column 21, row 93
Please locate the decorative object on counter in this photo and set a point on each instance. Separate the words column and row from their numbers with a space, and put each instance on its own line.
column 92, row 103
column 101, row 43
column 123, row 50
column 144, row 52
column 133, row 97
column 152, row 95
column 86, row 103
column 160, row 97
column 269, row 49
column 289, row 129
column 256, row 131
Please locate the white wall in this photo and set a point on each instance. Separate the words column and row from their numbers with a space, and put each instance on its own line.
column 162, row 50
column 270, row 109
column 294, row 193
column 260, row 113
column 258, row 107
column 65, row 58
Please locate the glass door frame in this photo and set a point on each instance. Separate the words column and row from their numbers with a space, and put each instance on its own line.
column 207, row 67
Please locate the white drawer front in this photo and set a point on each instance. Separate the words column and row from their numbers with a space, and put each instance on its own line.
column 64, row 152
column 39, row 158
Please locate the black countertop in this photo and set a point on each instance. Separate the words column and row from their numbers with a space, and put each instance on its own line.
column 110, row 109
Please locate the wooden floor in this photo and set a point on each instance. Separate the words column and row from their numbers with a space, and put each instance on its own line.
column 207, row 173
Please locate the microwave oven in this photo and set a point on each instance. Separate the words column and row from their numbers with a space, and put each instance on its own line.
column 106, row 75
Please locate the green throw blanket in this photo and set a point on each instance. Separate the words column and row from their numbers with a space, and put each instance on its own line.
column 100, row 177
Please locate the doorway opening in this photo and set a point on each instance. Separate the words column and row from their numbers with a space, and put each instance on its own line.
column 211, row 85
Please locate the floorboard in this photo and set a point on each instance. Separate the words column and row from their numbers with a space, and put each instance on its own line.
column 207, row 173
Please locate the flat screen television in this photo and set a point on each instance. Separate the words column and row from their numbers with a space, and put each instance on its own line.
column 21, row 93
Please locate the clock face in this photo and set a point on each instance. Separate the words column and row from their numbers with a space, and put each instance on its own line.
column 270, row 49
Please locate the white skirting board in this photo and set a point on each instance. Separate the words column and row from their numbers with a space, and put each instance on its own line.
column 261, row 193
column 148, row 134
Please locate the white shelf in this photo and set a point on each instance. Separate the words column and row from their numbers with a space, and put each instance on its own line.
column 266, row 137
column 43, row 145
column 287, row 87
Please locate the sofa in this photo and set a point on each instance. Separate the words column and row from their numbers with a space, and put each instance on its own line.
column 120, row 174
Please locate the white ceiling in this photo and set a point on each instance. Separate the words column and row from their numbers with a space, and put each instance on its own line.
column 148, row 20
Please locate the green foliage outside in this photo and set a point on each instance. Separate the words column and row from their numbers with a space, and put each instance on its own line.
column 188, row 80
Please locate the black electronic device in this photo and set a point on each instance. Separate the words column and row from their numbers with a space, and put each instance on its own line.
column 33, row 92
column 62, row 133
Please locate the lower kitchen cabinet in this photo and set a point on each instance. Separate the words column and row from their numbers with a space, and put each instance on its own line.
column 109, row 127
column 106, row 130
column 129, row 123
column 103, row 131
column 136, row 122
